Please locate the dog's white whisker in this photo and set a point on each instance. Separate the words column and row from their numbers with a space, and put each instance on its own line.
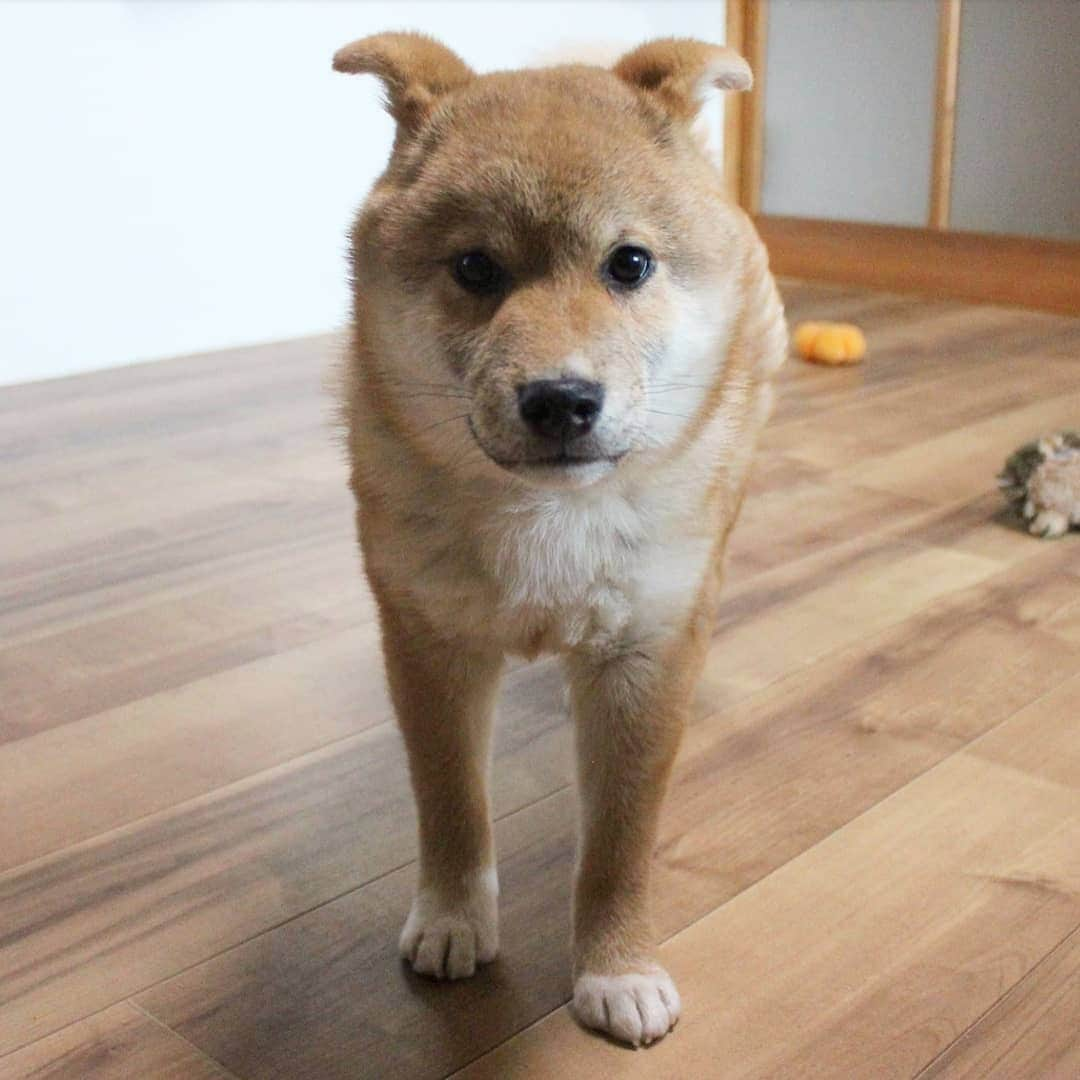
column 440, row 423
column 661, row 412
column 433, row 394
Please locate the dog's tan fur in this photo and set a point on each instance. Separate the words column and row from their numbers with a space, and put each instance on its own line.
column 613, row 564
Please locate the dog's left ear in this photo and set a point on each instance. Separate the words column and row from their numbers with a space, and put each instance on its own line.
column 679, row 72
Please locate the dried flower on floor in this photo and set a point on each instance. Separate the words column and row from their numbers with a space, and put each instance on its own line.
column 1042, row 481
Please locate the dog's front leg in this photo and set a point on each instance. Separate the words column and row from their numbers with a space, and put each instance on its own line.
column 444, row 694
column 630, row 711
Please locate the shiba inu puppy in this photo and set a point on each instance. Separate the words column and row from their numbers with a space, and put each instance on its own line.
column 562, row 343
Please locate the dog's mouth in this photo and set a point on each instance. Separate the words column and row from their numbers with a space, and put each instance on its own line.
column 559, row 461
column 563, row 460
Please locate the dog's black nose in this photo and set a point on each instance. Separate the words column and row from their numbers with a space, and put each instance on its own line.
column 561, row 409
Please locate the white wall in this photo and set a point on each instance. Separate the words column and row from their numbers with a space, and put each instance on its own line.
column 1016, row 164
column 178, row 176
column 849, row 109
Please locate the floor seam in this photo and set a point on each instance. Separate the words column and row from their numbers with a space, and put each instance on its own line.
column 159, row 1023
column 1030, row 973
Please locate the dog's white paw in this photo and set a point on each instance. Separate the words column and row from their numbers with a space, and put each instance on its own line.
column 639, row 1007
column 447, row 941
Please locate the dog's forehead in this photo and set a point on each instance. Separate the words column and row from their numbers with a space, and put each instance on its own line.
column 570, row 149
column 568, row 114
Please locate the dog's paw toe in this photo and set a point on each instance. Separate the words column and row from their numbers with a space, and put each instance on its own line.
column 448, row 941
column 638, row 1007
column 445, row 948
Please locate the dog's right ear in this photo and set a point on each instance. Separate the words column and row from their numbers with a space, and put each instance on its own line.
column 415, row 69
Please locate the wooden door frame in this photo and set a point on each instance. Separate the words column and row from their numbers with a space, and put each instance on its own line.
column 948, row 60
column 1018, row 271
column 934, row 260
column 744, row 114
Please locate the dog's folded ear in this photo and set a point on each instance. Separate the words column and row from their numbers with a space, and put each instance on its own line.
column 415, row 69
column 679, row 72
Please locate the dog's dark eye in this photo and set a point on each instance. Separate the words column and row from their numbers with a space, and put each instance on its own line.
column 477, row 272
column 628, row 266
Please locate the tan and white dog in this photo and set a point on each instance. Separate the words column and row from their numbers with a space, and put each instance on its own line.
column 562, row 344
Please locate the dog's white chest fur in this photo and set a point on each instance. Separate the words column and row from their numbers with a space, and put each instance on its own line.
column 562, row 569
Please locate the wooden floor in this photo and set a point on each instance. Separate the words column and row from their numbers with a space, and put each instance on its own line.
column 870, row 861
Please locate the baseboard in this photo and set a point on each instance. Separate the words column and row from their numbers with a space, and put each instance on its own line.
column 1013, row 270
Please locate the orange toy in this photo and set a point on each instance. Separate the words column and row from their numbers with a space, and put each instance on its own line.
column 830, row 343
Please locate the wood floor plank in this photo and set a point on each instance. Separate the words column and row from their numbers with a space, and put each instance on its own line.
column 807, row 609
column 125, row 763
column 868, row 954
column 257, row 459
column 115, row 656
column 759, row 781
column 120, row 1043
column 895, row 421
column 755, row 786
column 160, row 506
column 1033, row 1030
column 1067, row 623
column 209, row 373
column 250, row 457
column 97, row 922
column 326, row 997
column 118, row 567
column 962, row 463
column 809, row 517
column 282, row 562
column 912, row 345
column 193, row 405
column 984, row 525
column 1041, row 739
